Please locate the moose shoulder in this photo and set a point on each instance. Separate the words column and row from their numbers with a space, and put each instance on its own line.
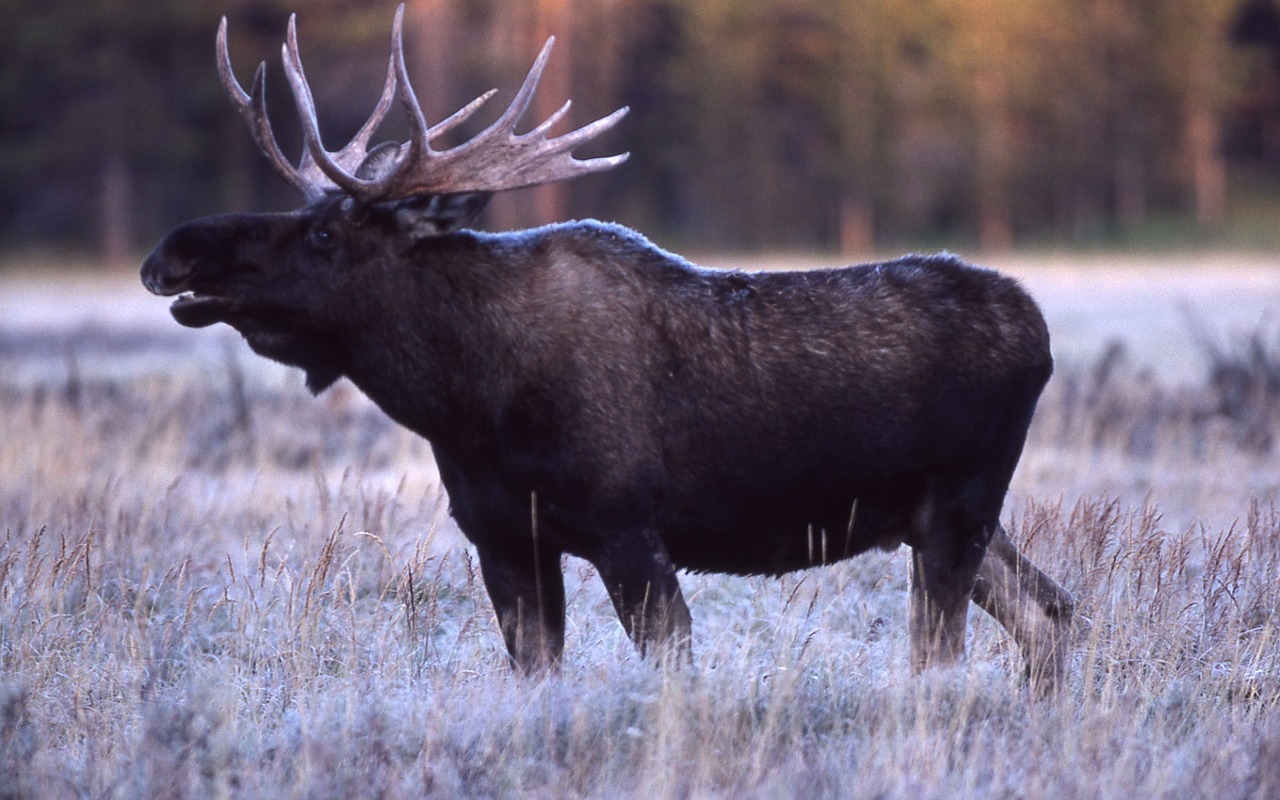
column 586, row 392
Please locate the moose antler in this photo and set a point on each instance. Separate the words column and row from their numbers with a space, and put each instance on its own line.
column 497, row 158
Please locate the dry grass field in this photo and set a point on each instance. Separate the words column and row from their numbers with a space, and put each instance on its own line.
column 213, row 585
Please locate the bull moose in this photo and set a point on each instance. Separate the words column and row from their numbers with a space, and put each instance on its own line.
column 650, row 414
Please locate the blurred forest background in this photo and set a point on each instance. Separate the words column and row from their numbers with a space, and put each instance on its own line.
column 845, row 125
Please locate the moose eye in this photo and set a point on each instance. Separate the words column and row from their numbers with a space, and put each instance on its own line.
column 322, row 237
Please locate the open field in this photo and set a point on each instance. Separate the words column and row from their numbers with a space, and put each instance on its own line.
column 214, row 585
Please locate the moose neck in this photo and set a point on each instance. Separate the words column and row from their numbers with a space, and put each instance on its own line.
column 434, row 350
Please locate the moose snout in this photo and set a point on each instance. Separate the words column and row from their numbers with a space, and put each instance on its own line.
column 165, row 275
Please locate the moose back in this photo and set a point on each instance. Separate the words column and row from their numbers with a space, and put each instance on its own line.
column 651, row 415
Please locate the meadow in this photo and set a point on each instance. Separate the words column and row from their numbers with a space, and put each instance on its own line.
column 214, row 585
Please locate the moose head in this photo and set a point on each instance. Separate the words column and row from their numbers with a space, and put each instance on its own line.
column 366, row 207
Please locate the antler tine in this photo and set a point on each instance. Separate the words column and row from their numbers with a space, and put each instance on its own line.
column 409, row 98
column 253, row 107
column 550, row 122
column 576, row 137
column 520, row 103
column 543, row 160
column 338, row 167
column 380, row 111
column 515, row 111
column 420, row 134
column 498, row 158
column 238, row 95
column 460, row 116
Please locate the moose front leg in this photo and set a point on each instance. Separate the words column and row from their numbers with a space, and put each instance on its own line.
column 641, row 582
column 1034, row 609
column 528, row 597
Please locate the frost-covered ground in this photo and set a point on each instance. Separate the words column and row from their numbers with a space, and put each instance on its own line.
column 214, row 585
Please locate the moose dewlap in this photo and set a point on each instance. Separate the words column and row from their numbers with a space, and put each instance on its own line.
column 655, row 415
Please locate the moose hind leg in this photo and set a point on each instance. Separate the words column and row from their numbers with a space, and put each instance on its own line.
column 641, row 582
column 528, row 598
column 1034, row 609
column 947, row 548
column 941, row 585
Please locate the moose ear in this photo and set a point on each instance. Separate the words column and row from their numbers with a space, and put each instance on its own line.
column 439, row 214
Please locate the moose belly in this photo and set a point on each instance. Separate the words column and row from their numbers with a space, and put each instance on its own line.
column 773, row 535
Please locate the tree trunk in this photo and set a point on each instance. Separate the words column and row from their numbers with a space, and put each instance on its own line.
column 1131, row 189
column 116, row 235
column 857, row 226
column 526, row 30
column 995, row 143
column 549, row 200
column 436, row 31
column 1208, row 171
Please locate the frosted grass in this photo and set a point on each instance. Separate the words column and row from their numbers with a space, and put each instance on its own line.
column 214, row 585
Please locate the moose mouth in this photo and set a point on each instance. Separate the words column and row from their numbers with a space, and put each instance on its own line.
column 195, row 310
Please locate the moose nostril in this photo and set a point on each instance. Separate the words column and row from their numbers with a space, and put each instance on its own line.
column 166, row 276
